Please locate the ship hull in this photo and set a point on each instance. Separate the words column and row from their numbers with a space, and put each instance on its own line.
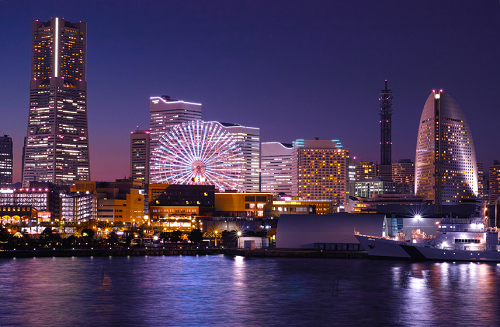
column 378, row 248
column 382, row 248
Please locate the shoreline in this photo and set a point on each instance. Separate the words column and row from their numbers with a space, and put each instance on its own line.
column 258, row 253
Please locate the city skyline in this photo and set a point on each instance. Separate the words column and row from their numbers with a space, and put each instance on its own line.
column 294, row 70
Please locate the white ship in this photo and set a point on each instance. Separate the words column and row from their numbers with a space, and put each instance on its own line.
column 456, row 239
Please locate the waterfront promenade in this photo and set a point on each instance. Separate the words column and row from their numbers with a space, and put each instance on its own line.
column 166, row 251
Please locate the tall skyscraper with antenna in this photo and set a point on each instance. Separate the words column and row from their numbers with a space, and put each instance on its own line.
column 385, row 168
column 57, row 146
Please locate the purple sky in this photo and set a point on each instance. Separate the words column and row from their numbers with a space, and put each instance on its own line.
column 296, row 69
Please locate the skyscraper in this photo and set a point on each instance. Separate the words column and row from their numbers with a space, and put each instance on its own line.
column 165, row 112
column 320, row 170
column 139, row 156
column 445, row 165
column 248, row 138
column 494, row 181
column 5, row 160
column 56, row 146
column 385, row 99
column 276, row 167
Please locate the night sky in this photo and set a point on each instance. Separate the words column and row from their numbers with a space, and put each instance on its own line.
column 296, row 69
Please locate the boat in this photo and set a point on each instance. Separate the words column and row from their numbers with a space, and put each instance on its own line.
column 456, row 239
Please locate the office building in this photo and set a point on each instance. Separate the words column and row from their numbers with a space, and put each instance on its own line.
column 445, row 165
column 165, row 112
column 5, row 160
column 56, row 146
column 368, row 187
column 403, row 173
column 320, row 170
column 366, row 170
column 494, row 181
column 482, row 182
column 139, row 156
column 248, row 138
column 276, row 168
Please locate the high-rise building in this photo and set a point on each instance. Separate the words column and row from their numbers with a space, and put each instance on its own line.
column 494, row 181
column 139, row 156
column 403, row 173
column 165, row 112
column 248, row 138
column 482, row 182
column 320, row 170
column 57, row 147
column 276, row 168
column 385, row 133
column 366, row 170
column 445, row 165
column 5, row 160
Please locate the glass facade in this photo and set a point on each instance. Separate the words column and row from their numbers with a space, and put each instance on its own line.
column 56, row 147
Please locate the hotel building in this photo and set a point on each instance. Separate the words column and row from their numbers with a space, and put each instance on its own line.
column 165, row 112
column 248, row 138
column 445, row 165
column 276, row 167
column 320, row 170
column 56, row 146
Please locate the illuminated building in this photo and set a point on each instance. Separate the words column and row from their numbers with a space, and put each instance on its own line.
column 248, row 138
column 403, row 173
column 171, row 218
column 199, row 153
column 320, row 170
column 243, row 204
column 179, row 207
column 482, row 182
column 5, row 160
column 289, row 205
column 445, row 165
column 368, row 187
column 56, row 146
column 385, row 133
column 44, row 200
column 366, row 170
column 13, row 214
column 183, row 195
column 122, row 200
column 276, row 168
column 165, row 112
column 139, row 156
column 78, row 207
column 494, row 181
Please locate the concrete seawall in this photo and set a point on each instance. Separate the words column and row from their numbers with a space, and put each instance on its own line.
column 104, row 252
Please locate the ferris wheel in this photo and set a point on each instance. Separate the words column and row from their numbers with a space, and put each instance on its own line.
column 197, row 153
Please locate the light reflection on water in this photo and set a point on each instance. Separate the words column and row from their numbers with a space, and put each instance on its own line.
column 224, row 290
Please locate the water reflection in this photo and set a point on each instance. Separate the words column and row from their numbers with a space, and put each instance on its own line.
column 237, row 291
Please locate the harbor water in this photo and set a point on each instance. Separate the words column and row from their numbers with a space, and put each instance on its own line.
column 222, row 290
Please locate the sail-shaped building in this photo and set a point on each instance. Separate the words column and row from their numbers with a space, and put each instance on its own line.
column 445, row 169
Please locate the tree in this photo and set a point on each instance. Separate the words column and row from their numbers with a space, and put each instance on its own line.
column 229, row 237
column 88, row 233
column 196, row 236
column 176, row 236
